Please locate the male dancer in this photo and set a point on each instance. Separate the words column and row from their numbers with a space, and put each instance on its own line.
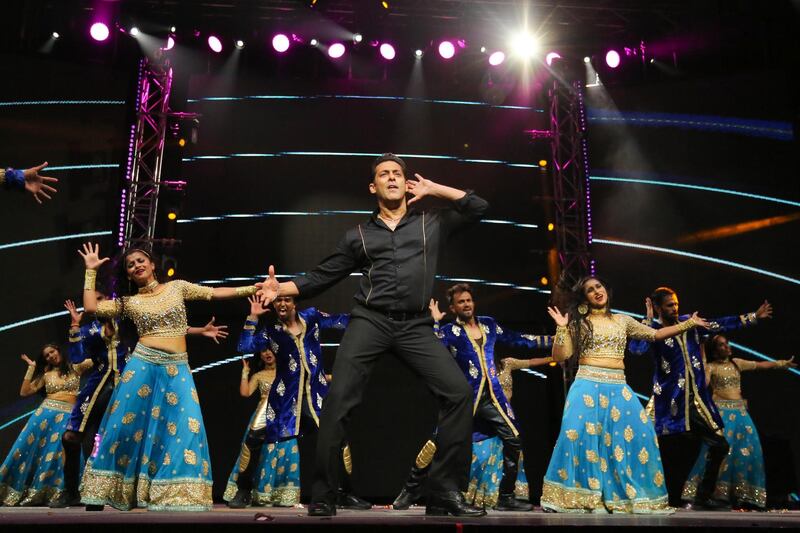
column 681, row 397
column 471, row 340
column 298, row 390
column 397, row 253
column 99, row 341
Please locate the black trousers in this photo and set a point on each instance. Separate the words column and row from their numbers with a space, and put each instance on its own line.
column 369, row 335
column 73, row 441
column 678, row 460
column 489, row 421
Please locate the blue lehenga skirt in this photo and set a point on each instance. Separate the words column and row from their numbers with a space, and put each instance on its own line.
column 486, row 473
column 741, row 474
column 606, row 458
column 277, row 477
column 153, row 450
column 33, row 472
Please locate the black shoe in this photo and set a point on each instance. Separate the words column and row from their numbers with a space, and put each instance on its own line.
column 405, row 499
column 347, row 500
column 321, row 509
column 242, row 499
column 65, row 499
column 94, row 507
column 709, row 504
column 451, row 503
column 507, row 502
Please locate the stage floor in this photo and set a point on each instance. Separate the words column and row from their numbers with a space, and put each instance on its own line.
column 296, row 519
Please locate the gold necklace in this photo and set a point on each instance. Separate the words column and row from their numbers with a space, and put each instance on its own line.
column 150, row 287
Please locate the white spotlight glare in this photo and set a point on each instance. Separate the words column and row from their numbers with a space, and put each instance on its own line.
column 587, row 59
column 314, row 42
column 418, row 53
column 134, row 31
column 55, row 35
column 357, row 37
column 173, row 29
column 483, row 49
column 239, row 44
column 524, row 45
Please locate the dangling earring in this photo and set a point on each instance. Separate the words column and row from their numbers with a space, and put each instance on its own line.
column 583, row 309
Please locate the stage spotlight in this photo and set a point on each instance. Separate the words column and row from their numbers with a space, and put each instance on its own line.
column 612, row 58
column 170, row 43
column 524, row 45
column 215, row 44
column 55, row 35
column 173, row 29
column 497, row 58
column 280, row 43
column 357, row 38
column 551, row 226
column 99, row 31
column 134, row 31
column 172, row 215
column 387, row 51
column 181, row 142
column 544, row 280
column 385, row 4
column 313, row 42
column 418, row 53
column 336, row 50
column 542, row 163
column 483, row 49
column 239, row 44
column 550, row 57
column 587, row 59
column 447, row 50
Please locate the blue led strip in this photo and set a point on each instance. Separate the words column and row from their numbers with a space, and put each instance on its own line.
column 61, row 102
column 20, row 417
column 264, row 214
column 82, row 167
column 358, row 97
column 359, row 154
column 772, row 129
column 736, row 345
column 54, row 239
column 697, row 188
column 706, row 258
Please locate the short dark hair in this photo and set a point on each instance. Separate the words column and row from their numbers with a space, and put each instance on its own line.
column 661, row 294
column 458, row 288
column 387, row 157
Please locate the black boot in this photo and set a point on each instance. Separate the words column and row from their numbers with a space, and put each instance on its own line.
column 412, row 489
column 321, row 509
column 507, row 502
column 65, row 499
column 348, row 500
column 242, row 499
column 451, row 503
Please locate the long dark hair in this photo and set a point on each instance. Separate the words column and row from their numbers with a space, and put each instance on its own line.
column 710, row 346
column 572, row 300
column 122, row 287
column 41, row 362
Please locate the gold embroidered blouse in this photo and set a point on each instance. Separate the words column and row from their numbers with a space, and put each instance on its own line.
column 726, row 378
column 610, row 335
column 157, row 314
column 261, row 380
column 62, row 388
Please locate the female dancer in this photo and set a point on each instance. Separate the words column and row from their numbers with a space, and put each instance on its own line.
column 486, row 470
column 606, row 458
column 153, row 450
column 278, row 474
column 741, row 475
column 33, row 472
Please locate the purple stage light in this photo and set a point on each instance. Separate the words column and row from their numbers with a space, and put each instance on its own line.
column 497, row 58
column 280, row 43
column 387, row 51
column 550, row 57
column 170, row 43
column 446, row 49
column 99, row 31
column 612, row 58
column 336, row 50
column 214, row 43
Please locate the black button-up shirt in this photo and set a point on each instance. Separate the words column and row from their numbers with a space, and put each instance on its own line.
column 397, row 267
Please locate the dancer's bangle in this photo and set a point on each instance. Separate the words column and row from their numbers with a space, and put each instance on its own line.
column 248, row 290
column 89, row 278
column 245, row 374
column 686, row 325
column 29, row 373
column 783, row 364
column 561, row 335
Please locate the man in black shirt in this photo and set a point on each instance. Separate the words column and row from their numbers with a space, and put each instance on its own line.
column 397, row 251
